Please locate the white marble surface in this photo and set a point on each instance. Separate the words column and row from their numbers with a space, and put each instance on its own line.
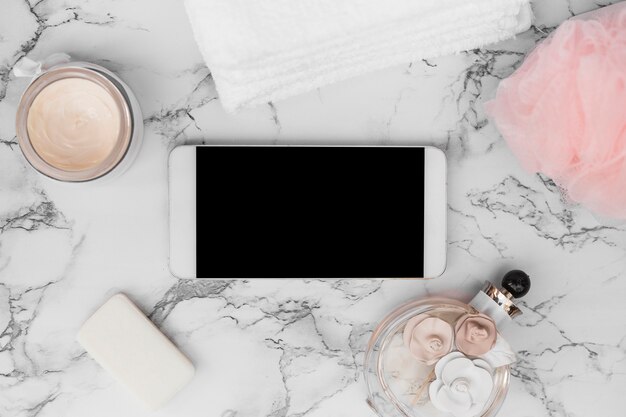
column 288, row 348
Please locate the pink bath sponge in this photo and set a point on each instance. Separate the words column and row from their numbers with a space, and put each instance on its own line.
column 563, row 112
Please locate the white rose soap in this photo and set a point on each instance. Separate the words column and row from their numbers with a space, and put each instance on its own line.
column 441, row 357
column 462, row 385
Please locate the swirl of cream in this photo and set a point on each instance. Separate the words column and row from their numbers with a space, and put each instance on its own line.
column 74, row 124
column 462, row 386
column 428, row 338
column 475, row 334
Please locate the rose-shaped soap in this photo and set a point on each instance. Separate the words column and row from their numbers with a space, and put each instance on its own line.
column 462, row 386
column 475, row 334
column 428, row 338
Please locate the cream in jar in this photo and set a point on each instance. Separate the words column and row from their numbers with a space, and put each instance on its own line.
column 78, row 122
column 73, row 124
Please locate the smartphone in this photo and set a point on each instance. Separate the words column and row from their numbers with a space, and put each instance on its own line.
column 307, row 211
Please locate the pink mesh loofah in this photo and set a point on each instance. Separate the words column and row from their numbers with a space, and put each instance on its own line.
column 563, row 112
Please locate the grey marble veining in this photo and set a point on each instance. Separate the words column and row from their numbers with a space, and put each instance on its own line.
column 287, row 348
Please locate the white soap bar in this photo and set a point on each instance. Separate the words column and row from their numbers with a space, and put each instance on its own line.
column 129, row 346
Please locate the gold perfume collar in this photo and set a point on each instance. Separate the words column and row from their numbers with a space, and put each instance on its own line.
column 503, row 298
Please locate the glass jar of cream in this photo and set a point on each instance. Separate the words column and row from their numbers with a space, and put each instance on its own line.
column 78, row 122
column 441, row 357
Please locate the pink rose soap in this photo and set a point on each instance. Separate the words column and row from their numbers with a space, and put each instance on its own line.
column 428, row 338
column 475, row 334
column 562, row 111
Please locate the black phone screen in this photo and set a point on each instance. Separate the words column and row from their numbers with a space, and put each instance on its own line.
column 309, row 212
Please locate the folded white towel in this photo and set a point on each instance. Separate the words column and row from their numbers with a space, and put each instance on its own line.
column 266, row 50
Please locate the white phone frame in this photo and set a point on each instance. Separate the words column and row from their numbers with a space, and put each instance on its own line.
column 182, row 207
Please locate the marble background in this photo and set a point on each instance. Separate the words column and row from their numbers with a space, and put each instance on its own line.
column 286, row 348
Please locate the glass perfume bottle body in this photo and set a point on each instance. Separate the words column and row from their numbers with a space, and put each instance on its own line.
column 401, row 385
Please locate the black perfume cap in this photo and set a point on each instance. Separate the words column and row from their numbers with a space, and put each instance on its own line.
column 498, row 302
column 516, row 282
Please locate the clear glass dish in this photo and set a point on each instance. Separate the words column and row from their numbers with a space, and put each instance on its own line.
column 397, row 384
column 131, row 131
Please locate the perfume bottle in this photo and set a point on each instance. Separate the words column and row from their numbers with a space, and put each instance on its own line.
column 440, row 357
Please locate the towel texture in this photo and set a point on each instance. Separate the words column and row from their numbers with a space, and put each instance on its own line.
column 266, row 50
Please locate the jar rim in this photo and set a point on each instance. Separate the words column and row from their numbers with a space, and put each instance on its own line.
column 98, row 76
